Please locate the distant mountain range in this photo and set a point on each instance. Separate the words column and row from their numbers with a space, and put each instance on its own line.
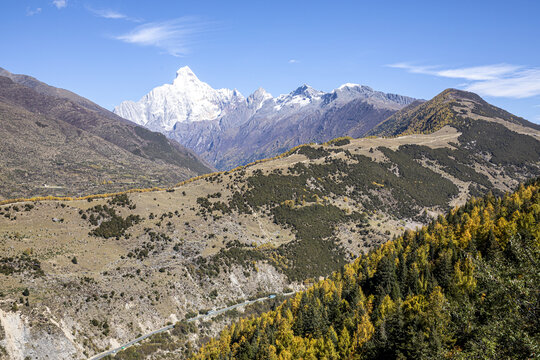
column 55, row 142
column 228, row 130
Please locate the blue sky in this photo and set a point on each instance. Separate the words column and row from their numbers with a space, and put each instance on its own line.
column 113, row 50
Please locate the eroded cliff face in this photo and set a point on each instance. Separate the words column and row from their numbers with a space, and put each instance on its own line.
column 36, row 338
column 67, row 326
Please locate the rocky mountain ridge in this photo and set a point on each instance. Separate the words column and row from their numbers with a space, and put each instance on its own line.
column 229, row 130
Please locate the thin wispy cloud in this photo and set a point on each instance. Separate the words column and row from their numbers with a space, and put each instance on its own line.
column 294, row 61
column 60, row 3
column 111, row 14
column 30, row 12
column 499, row 80
column 489, row 72
column 174, row 37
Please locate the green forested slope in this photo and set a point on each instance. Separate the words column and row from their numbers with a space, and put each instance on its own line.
column 464, row 287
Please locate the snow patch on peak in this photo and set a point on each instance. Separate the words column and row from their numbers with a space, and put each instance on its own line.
column 258, row 98
column 307, row 91
column 260, row 92
column 354, row 87
column 237, row 94
column 349, row 85
column 185, row 78
column 185, row 71
column 302, row 96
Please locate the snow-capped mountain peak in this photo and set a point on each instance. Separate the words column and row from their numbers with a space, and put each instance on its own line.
column 187, row 99
column 186, row 81
column 306, row 91
column 185, row 71
column 258, row 98
column 261, row 93
column 302, row 96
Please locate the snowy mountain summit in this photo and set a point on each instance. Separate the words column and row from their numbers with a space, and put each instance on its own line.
column 228, row 129
column 187, row 99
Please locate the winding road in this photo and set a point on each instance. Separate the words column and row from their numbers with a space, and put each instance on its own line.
column 169, row 327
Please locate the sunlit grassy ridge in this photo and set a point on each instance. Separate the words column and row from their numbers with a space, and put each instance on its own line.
column 190, row 180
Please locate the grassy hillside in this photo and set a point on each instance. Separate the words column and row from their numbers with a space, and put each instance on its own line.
column 465, row 286
column 54, row 146
column 450, row 107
